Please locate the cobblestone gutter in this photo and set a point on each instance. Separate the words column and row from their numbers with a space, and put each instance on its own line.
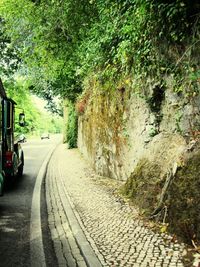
column 113, row 229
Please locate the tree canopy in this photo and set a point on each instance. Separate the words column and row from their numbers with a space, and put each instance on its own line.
column 61, row 42
column 37, row 121
column 58, row 45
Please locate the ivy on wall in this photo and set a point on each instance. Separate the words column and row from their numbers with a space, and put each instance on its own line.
column 72, row 126
column 60, row 43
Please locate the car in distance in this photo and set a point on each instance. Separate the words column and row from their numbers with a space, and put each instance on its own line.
column 45, row 136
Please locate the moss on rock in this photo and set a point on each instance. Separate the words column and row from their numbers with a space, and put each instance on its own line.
column 184, row 201
column 144, row 185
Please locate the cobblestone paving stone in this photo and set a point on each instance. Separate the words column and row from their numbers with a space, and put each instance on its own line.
column 113, row 228
column 66, row 248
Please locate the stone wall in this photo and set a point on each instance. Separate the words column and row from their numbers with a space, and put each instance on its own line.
column 119, row 129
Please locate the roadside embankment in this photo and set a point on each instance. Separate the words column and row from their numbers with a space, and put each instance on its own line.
column 146, row 140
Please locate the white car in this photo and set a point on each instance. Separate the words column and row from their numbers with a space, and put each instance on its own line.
column 45, row 136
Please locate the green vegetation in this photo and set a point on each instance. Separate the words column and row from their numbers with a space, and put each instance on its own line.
column 72, row 126
column 180, row 203
column 36, row 121
column 19, row 93
column 61, row 43
column 144, row 185
column 144, row 38
column 8, row 54
column 183, row 201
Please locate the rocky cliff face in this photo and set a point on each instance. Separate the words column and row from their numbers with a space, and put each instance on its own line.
column 147, row 140
column 118, row 129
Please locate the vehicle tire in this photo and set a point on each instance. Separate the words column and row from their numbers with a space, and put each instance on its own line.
column 21, row 167
column 2, row 191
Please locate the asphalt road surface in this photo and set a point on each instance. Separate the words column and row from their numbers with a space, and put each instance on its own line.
column 15, row 209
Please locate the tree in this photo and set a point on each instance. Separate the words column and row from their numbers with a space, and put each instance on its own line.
column 9, row 58
column 48, row 34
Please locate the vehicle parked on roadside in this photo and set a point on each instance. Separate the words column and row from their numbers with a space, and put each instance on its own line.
column 12, row 156
column 45, row 136
column 2, row 177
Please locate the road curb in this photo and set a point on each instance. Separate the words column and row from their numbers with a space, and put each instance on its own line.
column 59, row 202
column 36, row 243
column 82, row 242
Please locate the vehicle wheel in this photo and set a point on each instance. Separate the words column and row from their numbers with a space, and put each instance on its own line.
column 21, row 167
column 1, row 190
column 20, row 170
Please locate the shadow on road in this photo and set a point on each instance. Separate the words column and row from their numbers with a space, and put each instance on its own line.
column 13, row 184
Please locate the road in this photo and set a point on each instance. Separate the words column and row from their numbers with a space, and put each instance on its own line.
column 15, row 209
